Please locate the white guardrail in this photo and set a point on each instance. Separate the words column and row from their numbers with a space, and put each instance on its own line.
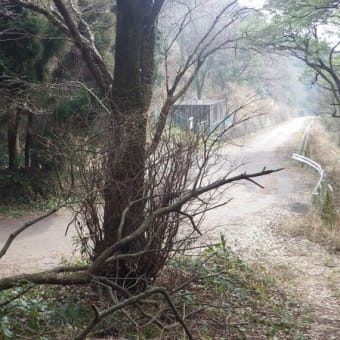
column 319, row 188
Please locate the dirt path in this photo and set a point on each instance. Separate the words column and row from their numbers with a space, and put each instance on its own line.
column 250, row 222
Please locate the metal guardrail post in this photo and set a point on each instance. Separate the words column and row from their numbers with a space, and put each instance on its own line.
column 318, row 192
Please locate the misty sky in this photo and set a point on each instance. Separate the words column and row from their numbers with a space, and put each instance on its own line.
column 252, row 3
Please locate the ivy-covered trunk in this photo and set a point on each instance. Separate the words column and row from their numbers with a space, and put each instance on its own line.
column 130, row 100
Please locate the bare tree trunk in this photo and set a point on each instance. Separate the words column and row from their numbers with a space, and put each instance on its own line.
column 13, row 139
column 200, row 82
column 199, row 87
column 28, row 139
column 130, row 99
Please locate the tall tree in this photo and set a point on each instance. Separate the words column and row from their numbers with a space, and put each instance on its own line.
column 139, row 219
column 307, row 30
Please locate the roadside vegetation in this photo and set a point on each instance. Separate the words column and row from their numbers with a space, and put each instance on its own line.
column 219, row 296
column 322, row 224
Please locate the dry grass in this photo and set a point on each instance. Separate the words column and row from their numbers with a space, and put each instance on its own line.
column 314, row 227
column 324, row 147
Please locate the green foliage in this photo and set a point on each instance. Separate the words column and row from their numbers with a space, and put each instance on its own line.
column 307, row 30
column 26, row 188
column 103, row 29
column 304, row 12
column 305, row 26
column 27, row 45
column 51, row 313
column 26, row 312
column 76, row 104
column 43, row 313
column 328, row 208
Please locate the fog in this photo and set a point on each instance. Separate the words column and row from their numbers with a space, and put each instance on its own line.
column 189, row 32
column 251, row 3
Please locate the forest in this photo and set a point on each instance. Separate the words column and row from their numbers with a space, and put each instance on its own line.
column 147, row 189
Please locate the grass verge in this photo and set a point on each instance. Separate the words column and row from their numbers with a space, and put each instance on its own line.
column 324, row 147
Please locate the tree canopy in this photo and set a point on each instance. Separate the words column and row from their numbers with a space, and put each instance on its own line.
column 308, row 31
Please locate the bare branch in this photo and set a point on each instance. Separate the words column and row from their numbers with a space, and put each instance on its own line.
column 13, row 235
column 196, row 59
column 190, row 195
column 133, row 299
column 59, row 276
column 90, row 55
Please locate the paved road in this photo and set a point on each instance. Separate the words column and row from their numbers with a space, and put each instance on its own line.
column 286, row 190
column 44, row 245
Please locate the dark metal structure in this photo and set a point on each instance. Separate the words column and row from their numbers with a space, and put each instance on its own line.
column 201, row 115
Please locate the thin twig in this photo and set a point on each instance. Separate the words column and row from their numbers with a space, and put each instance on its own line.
column 100, row 315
